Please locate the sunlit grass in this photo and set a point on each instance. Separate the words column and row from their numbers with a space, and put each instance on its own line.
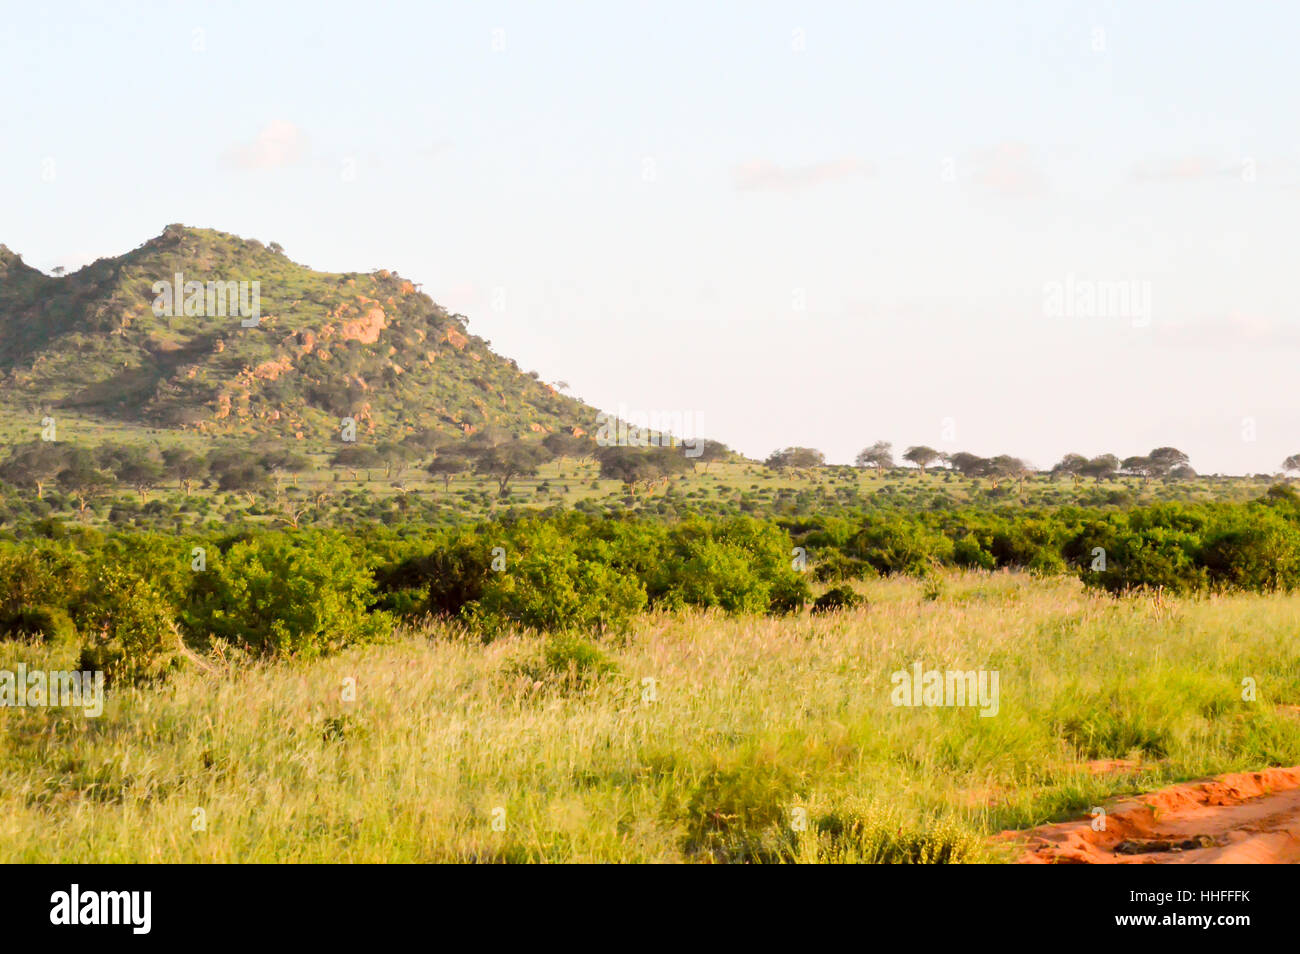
column 694, row 738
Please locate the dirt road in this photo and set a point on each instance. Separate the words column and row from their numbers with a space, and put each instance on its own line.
column 1242, row 818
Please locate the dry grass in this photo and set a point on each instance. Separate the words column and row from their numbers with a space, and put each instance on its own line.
column 755, row 723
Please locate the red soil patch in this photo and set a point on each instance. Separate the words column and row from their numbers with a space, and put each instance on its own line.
column 1241, row 818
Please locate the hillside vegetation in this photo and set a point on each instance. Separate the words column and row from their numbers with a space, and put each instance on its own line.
column 327, row 346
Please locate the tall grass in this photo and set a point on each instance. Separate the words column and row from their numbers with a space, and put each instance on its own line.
column 694, row 738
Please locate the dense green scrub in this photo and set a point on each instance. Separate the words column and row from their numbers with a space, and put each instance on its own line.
column 134, row 604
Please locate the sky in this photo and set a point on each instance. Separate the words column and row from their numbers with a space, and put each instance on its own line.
column 1028, row 228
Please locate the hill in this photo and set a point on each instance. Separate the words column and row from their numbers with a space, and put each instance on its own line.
column 102, row 343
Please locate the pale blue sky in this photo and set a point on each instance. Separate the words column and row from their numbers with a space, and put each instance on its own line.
column 647, row 191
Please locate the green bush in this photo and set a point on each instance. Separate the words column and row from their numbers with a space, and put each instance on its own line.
column 1152, row 559
column 40, row 574
column 835, row 567
column 880, row 836
column 1028, row 543
column 968, row 553
column 1046, row 562
column 547, row 585
column 738, row 813
column 557, row 574
column 301, row 594
column 128, row 629
column 1139, row 553
column 39, row 623
column 789, row 595
column 897, row 545
column 441, row 581
column 1254, row 550
column 567, row 662
column 736, row 565
column 580, row 572
column 165, row 561
column 837, row 598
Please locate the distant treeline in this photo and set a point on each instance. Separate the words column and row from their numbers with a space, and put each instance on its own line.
column 87, row 473
column 136, row 604
column 1162, row 462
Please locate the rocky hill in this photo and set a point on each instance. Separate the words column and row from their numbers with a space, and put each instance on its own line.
column 117, row 340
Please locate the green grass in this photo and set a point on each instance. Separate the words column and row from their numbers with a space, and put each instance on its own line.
column 695, row 738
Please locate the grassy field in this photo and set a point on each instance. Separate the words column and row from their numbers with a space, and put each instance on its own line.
column 694, row 738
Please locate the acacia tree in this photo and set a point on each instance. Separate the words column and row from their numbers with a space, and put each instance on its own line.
column 561, row 444
column 921, row 456
column 424, row 441
column 292, row 512
column 35, row 464
column 1071, row 464
column 357, row 458
column 448, row 462
column 505, row 462
column 1004, row 467
column 710, row 452
column 1138, row 466
column 112, row 456
column 1163, row 461
column 637, row 465
column 395, row 457
column 184, row 467
column 82, row 479
column 279, row 462
column 238, row 470
column 141, row 473
column 879, row 455
column 969, row 465
column 1100, row 467
column 1291, row 464
column 795, row 458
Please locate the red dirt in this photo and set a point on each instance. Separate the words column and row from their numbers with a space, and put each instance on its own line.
column 1241, row 818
